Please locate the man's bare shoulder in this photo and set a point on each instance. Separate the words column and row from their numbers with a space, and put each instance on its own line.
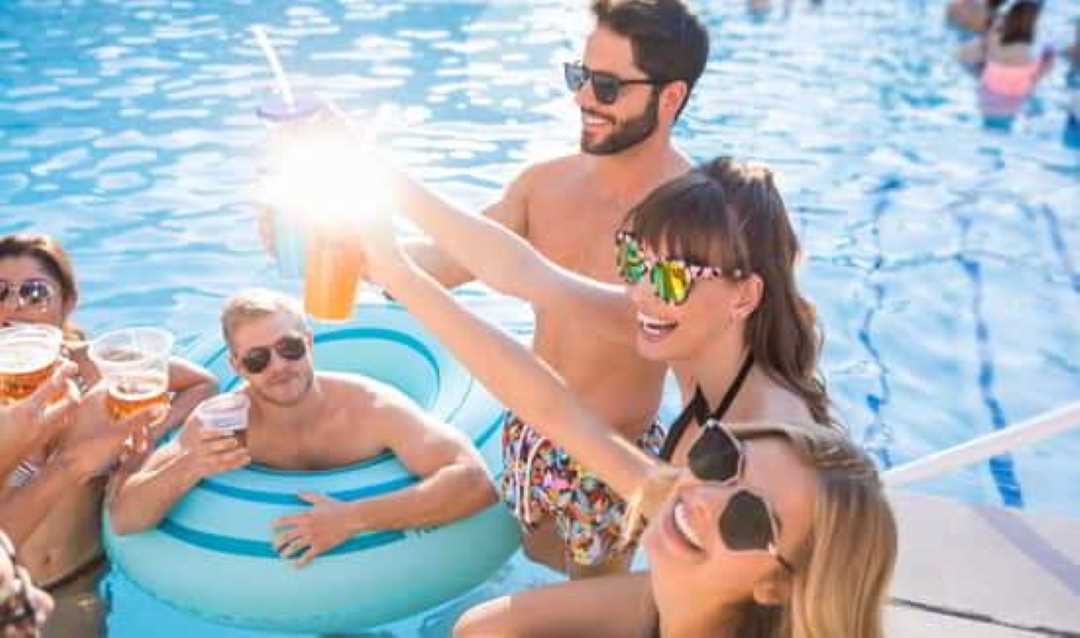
column 545, row 173
column 359, row 392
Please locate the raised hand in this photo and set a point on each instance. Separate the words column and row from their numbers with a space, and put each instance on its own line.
column 41, row 416
column 302, row 537
column 94, row 442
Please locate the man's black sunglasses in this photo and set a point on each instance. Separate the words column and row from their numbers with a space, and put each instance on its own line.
column 289, row 348
column 605, row 86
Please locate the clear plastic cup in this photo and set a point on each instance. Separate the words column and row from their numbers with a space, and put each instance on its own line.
column 28, row 353
column 287, row 124
column 134, row 364
column 226, row 412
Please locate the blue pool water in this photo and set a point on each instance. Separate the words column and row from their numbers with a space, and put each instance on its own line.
column 942, row 255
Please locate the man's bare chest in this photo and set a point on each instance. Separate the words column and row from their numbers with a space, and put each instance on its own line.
column 578, row 236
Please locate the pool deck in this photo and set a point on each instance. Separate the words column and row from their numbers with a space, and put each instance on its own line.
column 967, row 571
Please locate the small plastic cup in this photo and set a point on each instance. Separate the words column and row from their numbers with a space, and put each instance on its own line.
column 134, row 363
column 28, row 353
column 226, row 412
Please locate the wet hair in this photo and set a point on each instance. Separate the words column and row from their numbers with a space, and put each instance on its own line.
column 54, row 260
column 669, row 43
column 255, row 303
column 730, row 214
column 1018, row 25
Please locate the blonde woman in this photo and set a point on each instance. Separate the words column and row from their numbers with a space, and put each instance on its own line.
column 740, row 543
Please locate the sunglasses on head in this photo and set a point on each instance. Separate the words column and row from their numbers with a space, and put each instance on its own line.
column 35, row 293
column 290, row 348
column 747, row 522
column 606, row 86
column 671, row 279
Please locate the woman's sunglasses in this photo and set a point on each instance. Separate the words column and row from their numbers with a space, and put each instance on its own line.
column 34, row 293
column 747, row 522
column 671, row 279
column 289, row 348
column 606, row 86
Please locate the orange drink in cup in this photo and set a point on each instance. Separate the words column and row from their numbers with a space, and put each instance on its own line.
column 28, row 354
column 332, row 275
column 134, row 364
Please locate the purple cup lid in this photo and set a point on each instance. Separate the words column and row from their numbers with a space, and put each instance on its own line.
column 276, row 109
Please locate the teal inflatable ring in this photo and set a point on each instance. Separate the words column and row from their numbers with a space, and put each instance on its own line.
column 212, row 556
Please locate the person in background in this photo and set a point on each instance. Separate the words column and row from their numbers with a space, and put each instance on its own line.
column 1006, row 62
column 975, row 16
column 51, row 508
column 1072, row 82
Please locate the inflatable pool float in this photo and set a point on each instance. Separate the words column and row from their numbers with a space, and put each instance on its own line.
column 212, row 556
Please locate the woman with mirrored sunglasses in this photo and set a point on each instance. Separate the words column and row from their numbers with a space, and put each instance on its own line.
column 766, row 515
column 51, row 512
column 707, row 262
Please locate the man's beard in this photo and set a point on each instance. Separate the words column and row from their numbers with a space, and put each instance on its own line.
column 266, row 396
column 630, row 133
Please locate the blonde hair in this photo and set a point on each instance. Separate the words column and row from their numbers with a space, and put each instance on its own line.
column 843, row 569
column 256, row 303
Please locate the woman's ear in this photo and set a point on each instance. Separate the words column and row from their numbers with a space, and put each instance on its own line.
column 772, row 591
column 751, row 291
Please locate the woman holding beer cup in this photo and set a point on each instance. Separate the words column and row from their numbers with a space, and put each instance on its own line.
column 51, row 503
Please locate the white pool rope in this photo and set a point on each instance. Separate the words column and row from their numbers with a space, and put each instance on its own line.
column 981, row 448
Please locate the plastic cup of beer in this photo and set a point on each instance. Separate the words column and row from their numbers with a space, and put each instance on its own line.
column 28, row 353
column 134, row 364
column 333, row 273
column 227, row 413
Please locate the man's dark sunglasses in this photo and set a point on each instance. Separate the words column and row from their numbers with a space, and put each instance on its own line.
column 289, row 348
column 747, row 522
column 605, row 86
column 31, row 292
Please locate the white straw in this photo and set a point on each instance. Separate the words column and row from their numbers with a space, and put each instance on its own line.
column 275, row 65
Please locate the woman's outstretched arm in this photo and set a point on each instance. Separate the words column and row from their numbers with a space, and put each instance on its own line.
column 524, row 383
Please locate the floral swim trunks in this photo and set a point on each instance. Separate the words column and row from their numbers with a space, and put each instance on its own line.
column 540, row 479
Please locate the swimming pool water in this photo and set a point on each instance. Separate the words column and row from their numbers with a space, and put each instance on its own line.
column 941, row 255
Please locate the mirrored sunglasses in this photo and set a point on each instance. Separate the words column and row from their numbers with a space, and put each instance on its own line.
column 671, row 279
column 34, row 293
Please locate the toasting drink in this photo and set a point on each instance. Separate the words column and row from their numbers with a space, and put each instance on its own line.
column 134, row 365
column 333, row 272
column 28, row 354
column 289, row 121
column 226, row 412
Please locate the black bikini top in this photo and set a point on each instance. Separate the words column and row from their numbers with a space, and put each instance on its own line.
column 698, row 409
